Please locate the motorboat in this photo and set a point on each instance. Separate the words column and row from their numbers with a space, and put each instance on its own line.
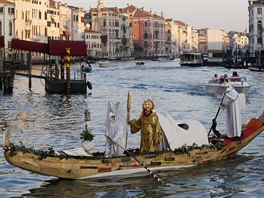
column 191, row 59
column 257, row 68
column 140, row 63
column 218, row 85
column 103, row 63
column 87, row 68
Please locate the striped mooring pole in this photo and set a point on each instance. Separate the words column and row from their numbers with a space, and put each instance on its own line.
column 68, row 74
column 62, row 66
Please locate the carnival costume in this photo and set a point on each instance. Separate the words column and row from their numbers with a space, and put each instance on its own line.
column 151, row 132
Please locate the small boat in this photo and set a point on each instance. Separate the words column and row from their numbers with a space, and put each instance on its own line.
column 140, row 63
column 96, row 165
column 191, row 59
column 103, row 63
column 87, row 68
column 216, row 86
column 257, row 68
column 164, row 59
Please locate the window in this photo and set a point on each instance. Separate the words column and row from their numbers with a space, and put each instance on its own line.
column 11, row 10
column 145, row 35
column 1, row 28
column 145, row 44
column 259, row 10
column 10, row 28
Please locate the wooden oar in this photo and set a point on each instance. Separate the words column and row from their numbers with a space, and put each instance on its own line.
column 144, row 166
column 128, row 110
column 217, row 113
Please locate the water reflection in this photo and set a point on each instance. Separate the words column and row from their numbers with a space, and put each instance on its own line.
column 201, row 181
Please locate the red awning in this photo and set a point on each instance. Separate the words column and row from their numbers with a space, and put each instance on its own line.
column 2, row 41
column 54, row 47
column 29, row 46
column 58, row 48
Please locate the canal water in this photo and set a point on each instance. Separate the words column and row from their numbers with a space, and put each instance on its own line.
column 53, row 120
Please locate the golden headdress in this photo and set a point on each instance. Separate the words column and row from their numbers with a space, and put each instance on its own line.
column 148, row 105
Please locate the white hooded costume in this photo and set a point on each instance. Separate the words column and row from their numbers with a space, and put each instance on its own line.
column 233, row 102
column 116, row 130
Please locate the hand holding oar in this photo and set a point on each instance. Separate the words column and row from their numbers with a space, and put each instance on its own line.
column 144, row 166
column 214, row 120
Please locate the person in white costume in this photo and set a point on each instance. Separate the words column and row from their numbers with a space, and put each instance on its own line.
column 116, row 130
column 233, row 103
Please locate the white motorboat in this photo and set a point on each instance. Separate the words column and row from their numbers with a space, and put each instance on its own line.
column 140, row 63
column 103, row 63
column 216, row 86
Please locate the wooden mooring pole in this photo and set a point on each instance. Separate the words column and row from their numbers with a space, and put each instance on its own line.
column 68, row 74
column 29, row 71
column 62, row 62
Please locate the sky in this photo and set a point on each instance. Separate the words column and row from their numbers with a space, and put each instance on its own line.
column 228, row 15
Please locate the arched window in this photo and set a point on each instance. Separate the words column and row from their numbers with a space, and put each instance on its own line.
column 145, row 35
column 145, row 44
column 260, row 31
column 10, row 28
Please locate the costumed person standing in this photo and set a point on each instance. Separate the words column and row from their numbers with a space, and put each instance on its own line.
column 151, row 131
column 233, row 103
column 116, row 130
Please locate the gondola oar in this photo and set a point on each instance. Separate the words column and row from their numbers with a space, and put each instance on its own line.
column 217, row 113
column 144, row 166
column 128, row 111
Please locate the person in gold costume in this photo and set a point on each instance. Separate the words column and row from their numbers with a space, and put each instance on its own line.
column 151, row 131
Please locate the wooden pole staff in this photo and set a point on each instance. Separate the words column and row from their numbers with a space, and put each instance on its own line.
column 141, row 163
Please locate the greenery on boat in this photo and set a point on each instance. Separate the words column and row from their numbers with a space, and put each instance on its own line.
column 86, row 135
column 14, row 149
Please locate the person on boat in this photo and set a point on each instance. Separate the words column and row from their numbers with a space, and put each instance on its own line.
column 221, row 80
column 116, row 129
column 151, row 131
column 215, row 76
column 233, row 103
column 235, row 74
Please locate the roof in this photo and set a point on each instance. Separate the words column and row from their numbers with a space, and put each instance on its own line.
column 181, row 23
column 6, row 1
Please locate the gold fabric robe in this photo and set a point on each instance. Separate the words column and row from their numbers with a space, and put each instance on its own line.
column 151, row 132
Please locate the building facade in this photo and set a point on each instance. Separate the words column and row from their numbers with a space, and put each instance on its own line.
column 256, row 20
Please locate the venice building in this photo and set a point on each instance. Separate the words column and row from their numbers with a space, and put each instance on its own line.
column 256, row 20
